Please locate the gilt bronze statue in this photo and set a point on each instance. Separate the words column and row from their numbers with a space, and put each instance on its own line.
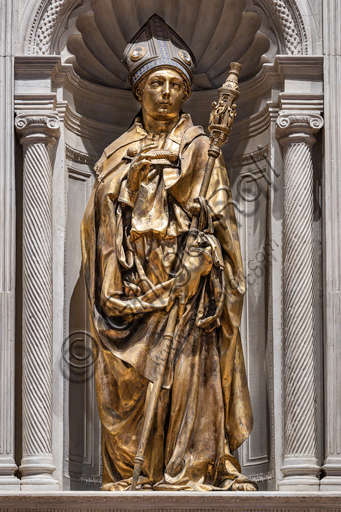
column 163, row 269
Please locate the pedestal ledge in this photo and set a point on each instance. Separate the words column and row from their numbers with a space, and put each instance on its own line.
column 167, row 501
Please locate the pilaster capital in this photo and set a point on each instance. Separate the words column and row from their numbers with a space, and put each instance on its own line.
column 37, row 127
column 297, row 126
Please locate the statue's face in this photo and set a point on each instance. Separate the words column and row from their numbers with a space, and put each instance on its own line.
column 163, row 94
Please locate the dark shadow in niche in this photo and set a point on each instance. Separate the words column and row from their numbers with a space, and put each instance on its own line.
column 317, row 177
column 84, row 432
column 318, row 283
column 18, row 300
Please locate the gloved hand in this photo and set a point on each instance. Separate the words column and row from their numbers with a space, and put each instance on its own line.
column 196, row 263
column 139, row 169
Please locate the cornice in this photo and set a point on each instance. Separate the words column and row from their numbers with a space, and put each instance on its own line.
column 90, row 129
column 250, row 127
column 248, row 158
column 303, row 67
column 83, row 89
column 255, row 87
column 35, row 65
column 79, row 156
column 261, row 83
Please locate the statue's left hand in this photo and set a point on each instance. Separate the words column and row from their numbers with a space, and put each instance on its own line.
column 184, row 286
column 186, row 281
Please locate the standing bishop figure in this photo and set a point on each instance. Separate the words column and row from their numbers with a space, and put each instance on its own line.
column 136, row 267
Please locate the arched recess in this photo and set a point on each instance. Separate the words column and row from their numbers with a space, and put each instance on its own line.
column 292, row 26
column 95, row 113
column 49, row 14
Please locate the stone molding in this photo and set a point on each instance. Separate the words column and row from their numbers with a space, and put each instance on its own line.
column 37, row 131
column 250, row 127
column 294, row 32
column 75, row 155
column 249, row 158
column 27, row 66
column 34, row 102
column 295, row 131
column 167, row 501
column 90, row 129
column 300, row 67
column 43, row 25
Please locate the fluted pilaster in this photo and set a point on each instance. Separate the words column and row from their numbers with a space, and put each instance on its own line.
column 331, row 244
column 7, row 253
column 37, row 132
column 300, row 466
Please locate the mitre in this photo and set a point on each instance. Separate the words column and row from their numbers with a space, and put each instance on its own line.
column 156, row 45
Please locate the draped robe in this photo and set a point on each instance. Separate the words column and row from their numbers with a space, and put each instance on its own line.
column 133, row 246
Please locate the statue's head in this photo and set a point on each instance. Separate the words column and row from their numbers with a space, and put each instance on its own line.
column 160, row 67
column 162, row 92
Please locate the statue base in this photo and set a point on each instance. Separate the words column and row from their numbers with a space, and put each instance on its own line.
column 170, row 501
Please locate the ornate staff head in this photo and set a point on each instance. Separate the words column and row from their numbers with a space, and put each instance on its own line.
column 224, row 112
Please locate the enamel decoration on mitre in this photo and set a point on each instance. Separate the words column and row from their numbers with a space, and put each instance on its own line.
column 157, row 45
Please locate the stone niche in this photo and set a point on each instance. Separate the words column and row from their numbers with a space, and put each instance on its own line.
column 68, row 88
column 236, row 31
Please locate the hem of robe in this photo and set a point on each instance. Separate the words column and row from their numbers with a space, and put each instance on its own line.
column 163, row 485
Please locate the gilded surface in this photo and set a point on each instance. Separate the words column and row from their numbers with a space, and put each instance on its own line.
column 134, row 234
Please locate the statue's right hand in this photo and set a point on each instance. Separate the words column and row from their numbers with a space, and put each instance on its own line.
column 136, row 174
column 139, row 169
